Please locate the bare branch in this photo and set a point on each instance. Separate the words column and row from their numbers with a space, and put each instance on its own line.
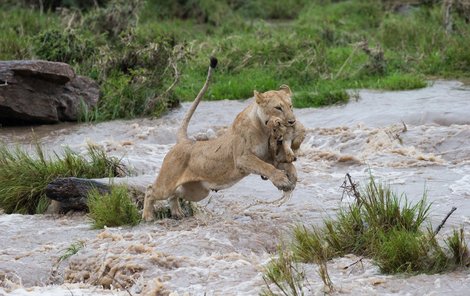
column 444, row 221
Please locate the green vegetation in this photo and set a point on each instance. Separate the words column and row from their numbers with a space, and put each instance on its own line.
column 25, row 175
column 380, row 225
column 113, row 209
column 71, row 250
column 137, row 49
column 189, row 209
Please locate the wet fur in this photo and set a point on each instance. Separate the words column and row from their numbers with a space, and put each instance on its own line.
column 285, row 140
column 191, row 169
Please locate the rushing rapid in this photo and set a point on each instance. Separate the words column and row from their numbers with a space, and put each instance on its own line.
column 417, row 141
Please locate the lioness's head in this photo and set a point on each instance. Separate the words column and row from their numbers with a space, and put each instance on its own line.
column 276, row 103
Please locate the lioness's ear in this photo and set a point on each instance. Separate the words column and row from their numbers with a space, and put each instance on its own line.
column 286, row 89
column 259, row 97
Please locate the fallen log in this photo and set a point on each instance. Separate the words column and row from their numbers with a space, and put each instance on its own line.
column 72, row 193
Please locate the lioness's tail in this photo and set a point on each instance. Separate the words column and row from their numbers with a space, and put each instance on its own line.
column 183, row 130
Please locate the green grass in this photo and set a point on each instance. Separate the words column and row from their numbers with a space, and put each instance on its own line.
column 380, row 225
column 113, row 209
column 24, row 175
column 71, row 250
column 285, row 273
column 316, row 47
column 402, row 82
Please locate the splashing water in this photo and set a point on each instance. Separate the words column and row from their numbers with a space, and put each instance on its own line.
column 415, row 140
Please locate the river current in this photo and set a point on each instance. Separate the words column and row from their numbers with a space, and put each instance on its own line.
column 417, row 141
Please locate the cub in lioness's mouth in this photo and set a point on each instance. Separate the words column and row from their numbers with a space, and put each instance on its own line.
column 192, row 168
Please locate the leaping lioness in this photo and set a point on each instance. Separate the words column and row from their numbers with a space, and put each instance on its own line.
column 192, row 168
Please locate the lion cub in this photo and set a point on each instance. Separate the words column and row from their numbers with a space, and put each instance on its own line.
column 284, row 140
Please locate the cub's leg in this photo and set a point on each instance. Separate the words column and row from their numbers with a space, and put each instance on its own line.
column 299, row 135
column 289, row 154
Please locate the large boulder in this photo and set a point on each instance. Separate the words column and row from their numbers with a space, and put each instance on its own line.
column 37, row 92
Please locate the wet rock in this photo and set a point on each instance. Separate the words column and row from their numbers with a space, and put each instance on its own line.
column 38, row 92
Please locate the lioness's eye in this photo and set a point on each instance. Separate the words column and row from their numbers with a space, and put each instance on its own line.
column 279, row 108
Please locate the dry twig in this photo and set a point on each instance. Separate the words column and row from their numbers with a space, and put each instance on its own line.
column 444, row 221
column 351, row 189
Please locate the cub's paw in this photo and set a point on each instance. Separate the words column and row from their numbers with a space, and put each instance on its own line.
column 290, row 156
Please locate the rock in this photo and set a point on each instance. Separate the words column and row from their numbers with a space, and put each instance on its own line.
column 38, row 92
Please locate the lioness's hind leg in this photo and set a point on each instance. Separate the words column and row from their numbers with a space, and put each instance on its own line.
column 194, row 191
column 175, row 208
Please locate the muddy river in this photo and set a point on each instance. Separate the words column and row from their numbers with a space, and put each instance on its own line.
column 417, row 141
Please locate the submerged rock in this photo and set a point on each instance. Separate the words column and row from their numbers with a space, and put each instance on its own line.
column 38, row 92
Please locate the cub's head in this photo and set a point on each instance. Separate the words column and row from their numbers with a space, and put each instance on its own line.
column 277, row 103
column 277, row 128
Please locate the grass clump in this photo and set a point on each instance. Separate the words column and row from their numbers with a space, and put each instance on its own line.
column 112, row 209
column 285, row 273
column 385, row 227
column 71, row 250
column 402, row 82
column 67, row 47
column 25, row 175
column 189, row 209
column 458, row 247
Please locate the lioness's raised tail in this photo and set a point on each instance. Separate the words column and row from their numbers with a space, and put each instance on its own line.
column 183, row 130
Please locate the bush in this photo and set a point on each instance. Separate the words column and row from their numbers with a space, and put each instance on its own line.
column 113, row 209
column 63, row 46
column 18, row 27
column 25, row 175
column 380, row 225
column 53, row 4
column 116, row 18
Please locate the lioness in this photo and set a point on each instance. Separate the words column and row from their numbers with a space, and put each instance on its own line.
column 192, row 168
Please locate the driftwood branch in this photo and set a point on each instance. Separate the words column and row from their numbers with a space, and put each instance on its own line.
column 444, row 221
column 354, row 263
column 351, row 189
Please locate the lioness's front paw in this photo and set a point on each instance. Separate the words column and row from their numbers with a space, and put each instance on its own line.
column 281, row 181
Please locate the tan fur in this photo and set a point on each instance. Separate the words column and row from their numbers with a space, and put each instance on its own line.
column 192, row 168
column 284, row 140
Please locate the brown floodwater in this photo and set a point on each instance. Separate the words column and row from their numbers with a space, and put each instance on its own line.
column 417, row 141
